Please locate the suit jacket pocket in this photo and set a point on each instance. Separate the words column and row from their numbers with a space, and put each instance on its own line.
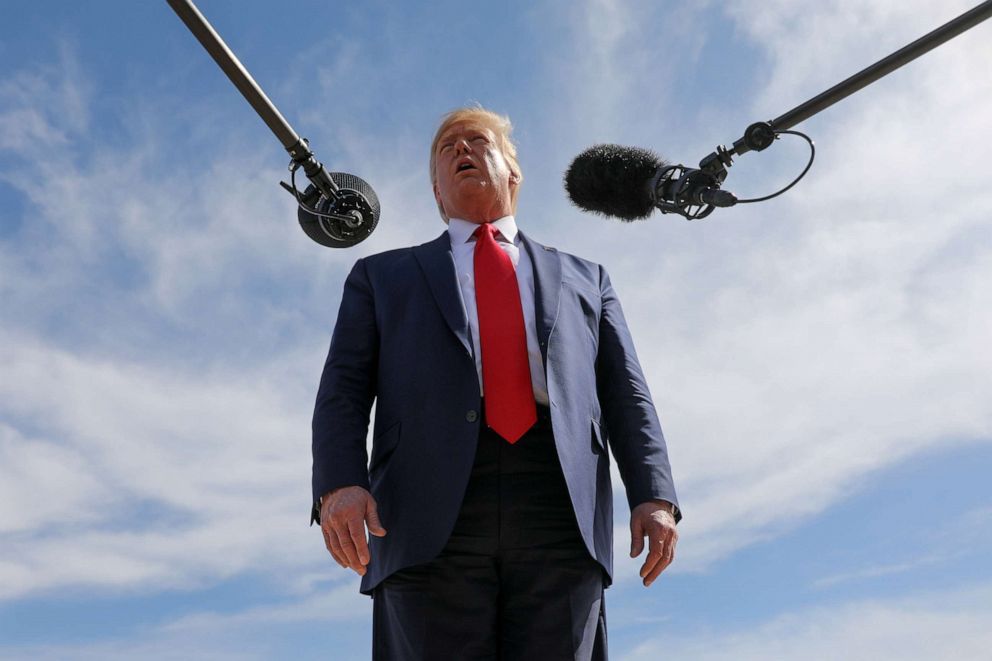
column 598, row 442
column 383, row 447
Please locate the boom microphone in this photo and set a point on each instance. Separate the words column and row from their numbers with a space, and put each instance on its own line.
column 614, row 181
column 340, row 217
column 629, row 183
column 337, row 209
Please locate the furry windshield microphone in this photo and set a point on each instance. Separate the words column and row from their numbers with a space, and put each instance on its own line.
column 614, row 181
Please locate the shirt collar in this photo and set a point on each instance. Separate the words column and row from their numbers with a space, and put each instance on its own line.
column 460, row 231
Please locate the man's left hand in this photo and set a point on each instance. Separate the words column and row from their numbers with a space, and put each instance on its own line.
column 655, row 519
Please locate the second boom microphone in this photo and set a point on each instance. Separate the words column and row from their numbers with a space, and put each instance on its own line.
column 629, row 183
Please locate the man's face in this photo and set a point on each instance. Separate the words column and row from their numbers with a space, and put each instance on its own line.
column 474, row 181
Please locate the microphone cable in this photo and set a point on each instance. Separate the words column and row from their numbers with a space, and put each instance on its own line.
column 812, row 155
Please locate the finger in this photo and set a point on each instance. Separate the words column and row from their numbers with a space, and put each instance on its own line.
column 636, row 537
column 666, row 554
column 654, row 573
column 356, row 528
column 331, row 541
column 653, row 557
column 656, row 550
column 372, row 519
column 348, row 550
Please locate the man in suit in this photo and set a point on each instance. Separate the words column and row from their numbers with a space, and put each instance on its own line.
column 503, row 373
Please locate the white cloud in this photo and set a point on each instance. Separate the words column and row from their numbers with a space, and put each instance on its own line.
column 245, row 633
column 812, row 46
column 876, row 571
column 948, row 625
column 139, row 477
column 964, row 538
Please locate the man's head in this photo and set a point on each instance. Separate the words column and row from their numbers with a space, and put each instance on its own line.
column 474, row 168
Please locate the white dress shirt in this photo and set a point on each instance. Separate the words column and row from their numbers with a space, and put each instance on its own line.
column 463, row 250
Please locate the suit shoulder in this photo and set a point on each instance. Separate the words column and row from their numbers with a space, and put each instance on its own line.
column 578, row 268
column 388, row 255
column 400, row 263
column 402, row 255
column 568, row 260
column 387, row 260
column 580, row 263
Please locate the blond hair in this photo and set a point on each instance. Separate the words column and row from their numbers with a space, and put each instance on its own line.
column 500, row 125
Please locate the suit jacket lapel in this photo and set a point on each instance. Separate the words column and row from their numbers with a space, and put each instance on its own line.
column 438, row 265
column 547, row 288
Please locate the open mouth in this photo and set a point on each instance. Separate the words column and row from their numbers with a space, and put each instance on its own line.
column 462, row 167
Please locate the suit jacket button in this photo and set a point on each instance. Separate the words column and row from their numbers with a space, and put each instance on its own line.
column 472, row 415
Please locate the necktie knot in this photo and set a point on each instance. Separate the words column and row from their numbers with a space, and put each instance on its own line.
column 485, row 229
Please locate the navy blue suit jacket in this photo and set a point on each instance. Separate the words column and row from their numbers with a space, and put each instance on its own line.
column 402, row 340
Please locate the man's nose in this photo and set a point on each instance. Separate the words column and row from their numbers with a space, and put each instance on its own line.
column 463, row 146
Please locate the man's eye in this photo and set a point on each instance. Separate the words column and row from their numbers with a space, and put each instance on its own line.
column 445, row 147
column 480, row 138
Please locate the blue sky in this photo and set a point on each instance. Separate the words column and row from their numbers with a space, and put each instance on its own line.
column 820, row 361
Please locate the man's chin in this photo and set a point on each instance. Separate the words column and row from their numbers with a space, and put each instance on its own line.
column 472, row 190
column 470, row 179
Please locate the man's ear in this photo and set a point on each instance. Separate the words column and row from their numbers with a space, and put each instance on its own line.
column 437, row 196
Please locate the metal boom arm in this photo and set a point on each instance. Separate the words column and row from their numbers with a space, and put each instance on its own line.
column 761, row 135
column 229, row 63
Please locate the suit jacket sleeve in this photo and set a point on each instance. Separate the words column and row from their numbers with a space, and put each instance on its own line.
column 347, row 390
column 632, row 423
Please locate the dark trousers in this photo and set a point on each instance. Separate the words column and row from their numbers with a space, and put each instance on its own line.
column 514, row 581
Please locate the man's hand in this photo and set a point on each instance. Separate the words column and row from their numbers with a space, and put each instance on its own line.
column 655, row 519
column 344, row 514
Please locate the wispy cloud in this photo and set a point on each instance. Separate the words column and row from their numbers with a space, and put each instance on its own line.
column 172, row 477
column 877, row 571
column 940, row 625
column 964, row 536
column 241, row 632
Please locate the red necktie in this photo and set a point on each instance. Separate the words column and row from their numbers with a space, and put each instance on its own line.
column 509, row 395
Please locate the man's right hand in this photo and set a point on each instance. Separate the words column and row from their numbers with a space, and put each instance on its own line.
column 344, row 514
